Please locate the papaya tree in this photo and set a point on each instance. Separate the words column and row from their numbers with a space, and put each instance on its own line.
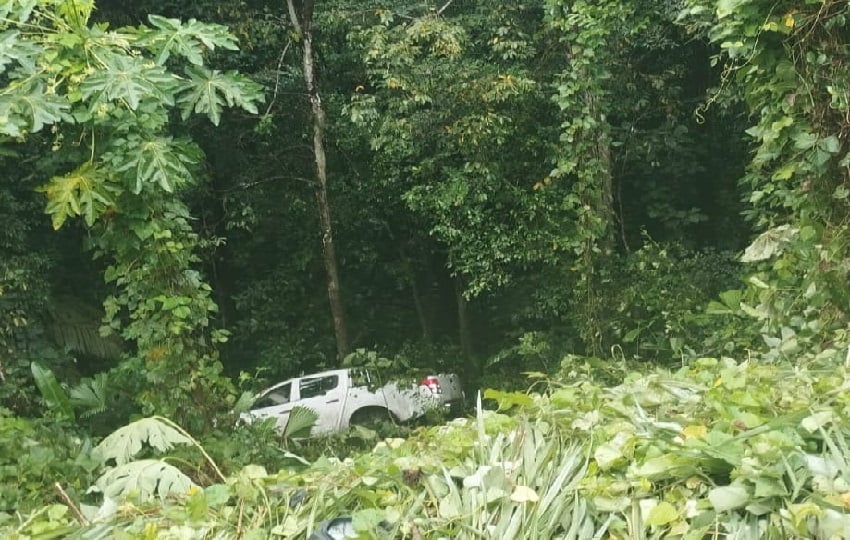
column 101, row 101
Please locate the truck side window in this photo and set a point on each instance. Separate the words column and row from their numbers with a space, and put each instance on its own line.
column 278, row 396
column 359, row 377
column 318, row 386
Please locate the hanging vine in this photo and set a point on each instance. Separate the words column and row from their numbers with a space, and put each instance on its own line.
column 790, row 63
column 590, row 34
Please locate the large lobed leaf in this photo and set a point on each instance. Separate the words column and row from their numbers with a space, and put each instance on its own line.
column 14, row 50
column 85, row 192
column 160, row 161
column 209, row 91
column 28, row 107
column 129, row 80
column 146, row 479
column 189, row 40
column 126, row 442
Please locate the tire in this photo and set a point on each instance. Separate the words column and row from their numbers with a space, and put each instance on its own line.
column 371, row 417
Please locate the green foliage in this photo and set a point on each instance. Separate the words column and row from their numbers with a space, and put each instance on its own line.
column 113, row 91
column 123, row 444
column 34, row 455
column 53, row 394
column 656, row 299
column 717, row 446
column 785, row 62
column 446, row 98
column 299, row 423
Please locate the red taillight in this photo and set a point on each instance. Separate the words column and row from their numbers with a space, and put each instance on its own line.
column 433, row 384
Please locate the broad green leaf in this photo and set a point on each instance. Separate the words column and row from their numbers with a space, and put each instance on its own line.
column 85, row 192
column 15, row 49
column 299, row 423
column 129, row 80
column 209, row 91
column 818, row 420
column 804, row 140
column 662, row 514
column 160, row 161
column 769, row 243
column 217, row 494
column 29, row 107
column 54, row 395
column 189, row 40
column 146, row 479
column 731, row 298
column 728, row 7
column 367, row 519
column 729, row 497
column 125, row 442
column 830, row 144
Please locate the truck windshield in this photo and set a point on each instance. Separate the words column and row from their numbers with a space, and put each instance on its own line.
column 278, row 396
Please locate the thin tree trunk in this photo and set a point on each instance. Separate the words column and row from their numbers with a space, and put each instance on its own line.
column 463, row 320
column 304, row 27
column 424, row 324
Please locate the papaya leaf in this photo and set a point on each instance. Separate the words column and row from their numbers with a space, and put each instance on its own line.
column 13, row 49
column 146, row 479
column 125, row 442
column 161, row 161
column 28, row 107
column 85, row 191
column 189, row 39
column 209, row 91
column 301, row 420
column 129, row 80
column 19, row 11
column 54, row 395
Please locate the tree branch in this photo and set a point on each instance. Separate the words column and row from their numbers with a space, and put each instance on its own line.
column 445, row 7
column 293, row 16
column 277, row 77
column 76, row 511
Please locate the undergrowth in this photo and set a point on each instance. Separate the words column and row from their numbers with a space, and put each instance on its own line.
column 717, row 448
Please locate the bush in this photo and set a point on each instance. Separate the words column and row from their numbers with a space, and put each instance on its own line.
column 34, row 455
column 656, row 300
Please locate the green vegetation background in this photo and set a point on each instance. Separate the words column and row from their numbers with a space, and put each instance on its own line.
column 627, row 219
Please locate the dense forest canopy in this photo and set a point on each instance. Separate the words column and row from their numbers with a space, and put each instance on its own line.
column 199, row 197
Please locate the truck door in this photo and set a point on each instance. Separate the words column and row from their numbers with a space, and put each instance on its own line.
column 324, row 396
column 275, row 403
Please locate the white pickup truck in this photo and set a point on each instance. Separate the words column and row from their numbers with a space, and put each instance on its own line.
column 345, row 397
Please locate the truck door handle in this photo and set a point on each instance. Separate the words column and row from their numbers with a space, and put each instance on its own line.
column 333, row 401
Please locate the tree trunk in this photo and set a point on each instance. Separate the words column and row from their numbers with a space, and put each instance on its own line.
column 424, row 323
column 304, row 27
column 463, row 320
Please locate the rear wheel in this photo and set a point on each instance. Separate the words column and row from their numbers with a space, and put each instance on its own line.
column 372, row 417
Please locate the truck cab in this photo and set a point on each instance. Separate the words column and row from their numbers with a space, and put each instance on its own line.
column 341, row 397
